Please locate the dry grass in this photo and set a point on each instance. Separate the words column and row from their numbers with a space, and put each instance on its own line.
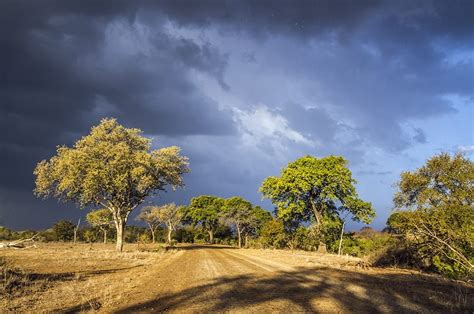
column 77, row 278
column 63, row 278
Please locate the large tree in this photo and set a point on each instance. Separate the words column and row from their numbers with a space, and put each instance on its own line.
column 310, row 188
column 438, row 212
column 206, row 210
column 102, row 219
column 112, row 167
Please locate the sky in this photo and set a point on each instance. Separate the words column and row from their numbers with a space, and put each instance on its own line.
column 243, row 87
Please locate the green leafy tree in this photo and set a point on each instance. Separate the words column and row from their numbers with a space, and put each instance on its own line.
column 64, row 230
column 240, row 214
column 310, row 187
column 102, row 219
column 439, row 221
column 112, row 167
column 206, row 210
column 261, row 217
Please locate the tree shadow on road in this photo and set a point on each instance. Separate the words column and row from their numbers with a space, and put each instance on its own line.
column 204, row 246
column 320, row 290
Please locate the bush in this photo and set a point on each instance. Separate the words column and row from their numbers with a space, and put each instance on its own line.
column 273, row 234
column 64, row 230
column 365, row 244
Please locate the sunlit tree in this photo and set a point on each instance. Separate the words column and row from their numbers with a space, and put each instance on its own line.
column 436, row 212
column 150, row 215
column 310, row 188
column 112, row 167
column 206, row 210
column 102, row 219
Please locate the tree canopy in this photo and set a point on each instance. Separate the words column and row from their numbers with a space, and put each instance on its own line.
column 206, row 210
column 240, row 213
column 439, row 221
column 112, row 167
column 310, row 187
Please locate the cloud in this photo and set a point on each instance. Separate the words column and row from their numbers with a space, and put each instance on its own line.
column 331, row 77
column 466, row 149
column 260, row 125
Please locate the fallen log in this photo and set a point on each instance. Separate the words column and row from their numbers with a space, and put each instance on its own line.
column 19, row 244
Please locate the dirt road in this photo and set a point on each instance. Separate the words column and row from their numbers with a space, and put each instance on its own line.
column 65, row 278
column 210, row 279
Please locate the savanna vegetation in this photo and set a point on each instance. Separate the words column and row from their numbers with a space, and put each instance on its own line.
column 112, row 171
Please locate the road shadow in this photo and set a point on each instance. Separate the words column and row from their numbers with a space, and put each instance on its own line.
column 320, row 290
column 203, row 246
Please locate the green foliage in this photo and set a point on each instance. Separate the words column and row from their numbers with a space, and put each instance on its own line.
column 304, row 239
column 89, row 235
column 170, row 215
column 365, row 243
column 438, row 225
column 273, row 234
column 144, row 238
column 205, row 210
column 185, row 234
column 101, row 218
column 244, row 217
column 150, row 215
column 112, row 167
column 133, row 233
column 6, row 234
column 64, row 230
column 311, row 187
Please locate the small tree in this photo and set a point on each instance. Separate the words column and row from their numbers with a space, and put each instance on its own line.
column 239, row 212
column 311, row 187
column 151, row 216
column 111, row 167
column 102, row 219
column 64, row 230
column 206, row 210
column 170, row 215
column 89, row 235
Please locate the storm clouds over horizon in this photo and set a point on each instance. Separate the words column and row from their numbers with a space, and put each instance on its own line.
column 243, row 87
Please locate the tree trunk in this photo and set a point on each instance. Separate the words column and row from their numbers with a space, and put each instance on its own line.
column 211, row 236
column 75, row 230
column 152, row 230
column 105, row 235
column 246, row 240
column 340, row 240
column 319, row 220
column 239, row 235
column 169, row 234
column 120, row 226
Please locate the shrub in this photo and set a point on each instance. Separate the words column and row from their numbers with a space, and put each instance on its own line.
column 273, row 234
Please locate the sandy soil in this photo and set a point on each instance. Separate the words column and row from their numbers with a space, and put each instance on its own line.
column 222, row 279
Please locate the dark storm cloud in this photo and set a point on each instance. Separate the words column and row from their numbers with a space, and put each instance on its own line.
column 66, row 64
column 57, row 81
